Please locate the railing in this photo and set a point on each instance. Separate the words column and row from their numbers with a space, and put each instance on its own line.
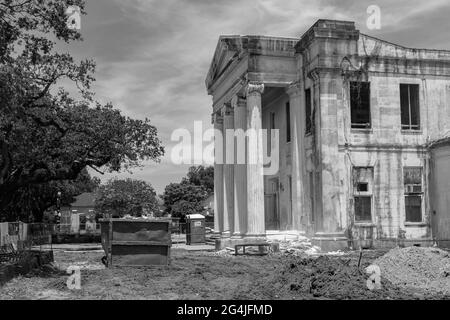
column 17, row 238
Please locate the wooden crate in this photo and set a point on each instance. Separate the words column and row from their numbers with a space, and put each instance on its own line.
column 136, row 242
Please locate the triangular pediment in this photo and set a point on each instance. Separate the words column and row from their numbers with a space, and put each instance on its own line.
column 227, row 50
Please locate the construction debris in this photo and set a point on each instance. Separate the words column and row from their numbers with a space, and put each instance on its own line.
column 330, row 278
column 299, row 246
column 427, row 269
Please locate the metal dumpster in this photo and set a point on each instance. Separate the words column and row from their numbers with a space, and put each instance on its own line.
column 195, row 229
column 136, row 242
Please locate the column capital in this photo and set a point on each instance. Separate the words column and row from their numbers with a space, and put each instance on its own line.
column 216, row 118
column 294, row 89
column 314, row 75
column 254, row 88
column 238, row 102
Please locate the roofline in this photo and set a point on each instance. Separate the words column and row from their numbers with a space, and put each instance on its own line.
column 404, row 47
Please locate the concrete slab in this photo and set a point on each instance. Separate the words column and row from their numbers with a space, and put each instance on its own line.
column 199, row 247
column 77, row 247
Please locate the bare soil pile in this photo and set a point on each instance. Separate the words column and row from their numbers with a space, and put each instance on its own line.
column 422, row 268
column 332, row 278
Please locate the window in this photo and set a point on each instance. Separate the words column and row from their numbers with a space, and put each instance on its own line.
column 308, row 124
column 360, row 105
column 271, row 127
column 412, row 179
column 363, row 206
column 409, row 106
column 290, row 191
column 311, row 194
column 288, row 122
column 362, row 193
column 362, row 187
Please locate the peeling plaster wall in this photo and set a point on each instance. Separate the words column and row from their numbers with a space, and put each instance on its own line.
column 385, row 147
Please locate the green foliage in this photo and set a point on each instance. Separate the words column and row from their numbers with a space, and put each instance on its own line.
column 126, row 197
column 202, row 176
column 45, row 134
column 183, row 198
column 28, row 203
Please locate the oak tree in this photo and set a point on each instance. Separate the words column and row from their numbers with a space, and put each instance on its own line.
column 45, row 133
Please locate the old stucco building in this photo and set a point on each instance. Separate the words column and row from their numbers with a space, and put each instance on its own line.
column 356, row 117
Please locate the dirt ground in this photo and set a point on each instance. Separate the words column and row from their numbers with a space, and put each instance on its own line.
column 207, row 275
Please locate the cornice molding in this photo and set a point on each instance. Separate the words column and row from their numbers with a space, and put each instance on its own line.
column 295, row 88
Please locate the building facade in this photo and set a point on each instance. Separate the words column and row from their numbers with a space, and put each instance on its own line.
column 355, row 115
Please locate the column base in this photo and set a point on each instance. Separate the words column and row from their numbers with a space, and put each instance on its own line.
column 223, row 243
column 225, row 234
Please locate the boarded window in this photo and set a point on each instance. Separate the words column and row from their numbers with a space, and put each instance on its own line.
column 363, row 208
column 362, row 193
column 412, row 179
column 308, row 108
column 409, row 105
column 288, row 122
column 360, row 105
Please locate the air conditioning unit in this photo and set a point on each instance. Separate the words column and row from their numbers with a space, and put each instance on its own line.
column 413, row 188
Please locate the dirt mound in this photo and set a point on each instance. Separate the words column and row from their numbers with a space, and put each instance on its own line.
column 331, row 278
column 427, row 269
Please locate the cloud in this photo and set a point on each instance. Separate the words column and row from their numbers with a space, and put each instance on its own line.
column 153, row 55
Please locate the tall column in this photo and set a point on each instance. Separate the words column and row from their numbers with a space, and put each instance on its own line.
column 299, row 211
column 240, row 170
column 255, row 170
column 218, row 173
column 228, row 171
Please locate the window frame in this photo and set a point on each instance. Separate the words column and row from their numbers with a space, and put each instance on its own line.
column 308, row 112
column 414, row 194
column 360, row 126
column 360, row 196
column 363, row 194
column 288, row 122
column 409, row 126
column 271, row 127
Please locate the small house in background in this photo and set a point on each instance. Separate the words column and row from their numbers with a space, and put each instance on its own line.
column 84, row 203
column 79, row 216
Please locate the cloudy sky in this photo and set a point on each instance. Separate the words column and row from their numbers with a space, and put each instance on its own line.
column 153, row 55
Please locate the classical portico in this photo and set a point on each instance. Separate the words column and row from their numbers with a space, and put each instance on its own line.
column 346, row 162
column 243, row 82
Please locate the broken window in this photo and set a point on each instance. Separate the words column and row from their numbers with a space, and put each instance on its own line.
column 412, row 179
column 308, row 107
column 288, row 122
column 360, row 104
column 409, row 106
column 362, row 193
